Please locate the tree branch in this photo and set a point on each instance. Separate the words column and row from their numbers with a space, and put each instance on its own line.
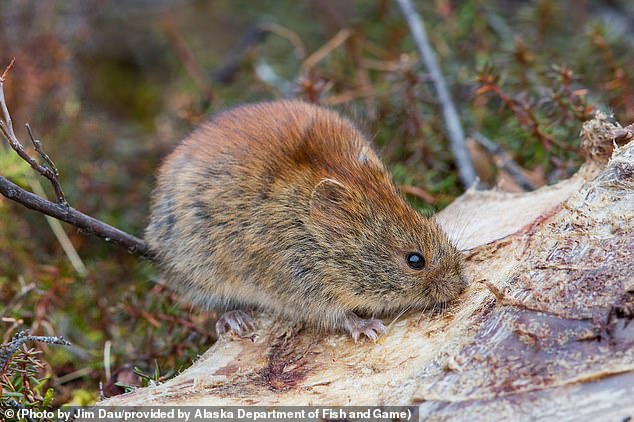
column 505, row 162
column 452, row 121
column 6, row 126
column 83, row 222
column 60, row 210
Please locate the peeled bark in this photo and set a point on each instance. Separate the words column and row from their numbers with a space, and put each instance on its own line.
column 543, row 330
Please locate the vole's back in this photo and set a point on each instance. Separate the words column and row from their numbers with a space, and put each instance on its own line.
column 230, row 212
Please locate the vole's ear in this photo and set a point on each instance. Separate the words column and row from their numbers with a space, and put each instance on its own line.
column 332, row 205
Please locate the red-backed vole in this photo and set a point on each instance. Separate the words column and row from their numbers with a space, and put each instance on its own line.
column 285, row 206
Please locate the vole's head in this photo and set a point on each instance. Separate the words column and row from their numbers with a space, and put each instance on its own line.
column 383, row 255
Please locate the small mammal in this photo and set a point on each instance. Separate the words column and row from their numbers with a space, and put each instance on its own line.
column 285, row 206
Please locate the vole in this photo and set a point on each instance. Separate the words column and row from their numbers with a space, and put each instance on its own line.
column 285, row 206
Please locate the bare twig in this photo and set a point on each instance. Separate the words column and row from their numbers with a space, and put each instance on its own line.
column 452, row 121
column 323, row 51
column 7, row 70
column 6, row 127
column 504, row 161
column 60, row 210
column 78, row 219
column 308, row 82
column 353, row 94
column 51, row 172
column 37, row 144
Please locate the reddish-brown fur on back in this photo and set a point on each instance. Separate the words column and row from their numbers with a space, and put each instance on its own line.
column 285, row 206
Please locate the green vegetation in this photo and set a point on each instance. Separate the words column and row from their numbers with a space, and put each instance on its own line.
column 111, row 91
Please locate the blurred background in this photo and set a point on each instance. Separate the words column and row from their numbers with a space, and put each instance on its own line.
column 111, row 86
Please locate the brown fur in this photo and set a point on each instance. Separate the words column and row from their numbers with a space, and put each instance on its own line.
column 285, row 206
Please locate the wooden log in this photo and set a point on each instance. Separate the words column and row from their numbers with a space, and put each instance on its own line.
column 544, row 330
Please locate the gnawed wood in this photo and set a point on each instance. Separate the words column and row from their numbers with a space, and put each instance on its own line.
column 554, row 341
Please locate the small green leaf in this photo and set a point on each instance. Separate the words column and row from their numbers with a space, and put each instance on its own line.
column 48, row 398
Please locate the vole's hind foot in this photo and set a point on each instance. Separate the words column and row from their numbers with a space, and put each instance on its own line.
column 371, row 328
column 238, row 321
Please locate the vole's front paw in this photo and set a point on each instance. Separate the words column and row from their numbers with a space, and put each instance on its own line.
column 238, row 321
column 371, row 328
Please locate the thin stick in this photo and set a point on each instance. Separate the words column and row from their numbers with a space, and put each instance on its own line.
column 60, row 210
column 323, row 51
column 38, row 148
column 505, row 162
column 107, row 348
column 6, row 127
column 452, row 121
column 78, row 219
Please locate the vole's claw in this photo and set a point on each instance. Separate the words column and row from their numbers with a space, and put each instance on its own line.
column 356, row 326
column 238, row 321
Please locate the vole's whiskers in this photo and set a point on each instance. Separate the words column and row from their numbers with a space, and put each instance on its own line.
column 420, row 316
column 460, row 232
column 400, row 314
column 456, row 232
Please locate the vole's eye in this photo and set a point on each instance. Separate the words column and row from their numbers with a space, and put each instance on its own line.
column 415, row 261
